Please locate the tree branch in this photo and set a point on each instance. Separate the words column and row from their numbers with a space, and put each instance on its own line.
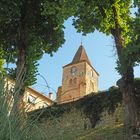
column 102, row 11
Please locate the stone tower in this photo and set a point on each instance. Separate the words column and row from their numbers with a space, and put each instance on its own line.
column 79, row 78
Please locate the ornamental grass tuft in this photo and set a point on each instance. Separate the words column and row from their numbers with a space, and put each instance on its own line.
column 14, row 123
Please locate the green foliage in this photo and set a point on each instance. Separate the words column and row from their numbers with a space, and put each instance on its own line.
column 1, row 60
column 1, row 64
column 105, row 133
column 99, row 15
column 74, row 120
column 112, row 17
column 137, row 3
column 37, row 25
column 92, row 105
column 133, row 48
column 13, row 123
column 95, row 105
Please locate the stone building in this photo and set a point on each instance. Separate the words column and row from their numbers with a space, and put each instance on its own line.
column 32, row 98
column 79, row 78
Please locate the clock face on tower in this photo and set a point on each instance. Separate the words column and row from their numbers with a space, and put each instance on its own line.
column 73, row 70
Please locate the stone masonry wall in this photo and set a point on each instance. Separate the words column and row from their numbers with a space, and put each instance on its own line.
column 71, row 124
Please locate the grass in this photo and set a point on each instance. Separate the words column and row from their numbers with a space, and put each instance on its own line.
column 14, row 123
column 117, row 132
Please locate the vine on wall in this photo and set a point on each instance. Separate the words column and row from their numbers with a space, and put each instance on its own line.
column 92, row 105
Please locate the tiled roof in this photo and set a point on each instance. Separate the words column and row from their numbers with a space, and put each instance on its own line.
column 81, row 55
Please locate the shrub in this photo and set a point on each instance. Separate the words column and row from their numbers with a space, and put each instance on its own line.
column 14, row 124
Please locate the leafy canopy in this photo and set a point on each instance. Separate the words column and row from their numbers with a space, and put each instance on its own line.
column 100, row 15
column 133, row 49
column 40, row 25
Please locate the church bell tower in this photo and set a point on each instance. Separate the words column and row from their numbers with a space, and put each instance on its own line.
column 79, row 78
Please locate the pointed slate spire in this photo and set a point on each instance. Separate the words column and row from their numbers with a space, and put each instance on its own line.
column 81, row 55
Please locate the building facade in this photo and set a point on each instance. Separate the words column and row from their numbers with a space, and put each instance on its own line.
column 32, row 99
column 79, row 78
column 35, row 100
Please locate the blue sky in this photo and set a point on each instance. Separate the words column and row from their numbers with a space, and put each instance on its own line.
column 101, row 52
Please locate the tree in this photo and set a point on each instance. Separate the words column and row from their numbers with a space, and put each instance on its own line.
column 1, row 60
column 30, row 28
column 113, row 17
column 1, row 65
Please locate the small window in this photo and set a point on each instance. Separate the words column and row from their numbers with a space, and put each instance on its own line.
column 31, row 99
column 70, row 81
column 75, row 80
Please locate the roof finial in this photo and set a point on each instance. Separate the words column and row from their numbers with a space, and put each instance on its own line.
column 81, row 41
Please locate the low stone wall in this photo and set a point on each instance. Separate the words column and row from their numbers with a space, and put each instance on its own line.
column 66, row 127
column 73, row 123
column 116, row 118
column 68, row 121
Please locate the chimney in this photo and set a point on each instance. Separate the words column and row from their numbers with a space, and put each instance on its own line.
column 50, row 95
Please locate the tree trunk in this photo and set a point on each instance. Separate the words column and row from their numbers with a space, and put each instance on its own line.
column 21, row 65
column 18, row 104
column 21, row 70
column 126, row 83
column 21, row 52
